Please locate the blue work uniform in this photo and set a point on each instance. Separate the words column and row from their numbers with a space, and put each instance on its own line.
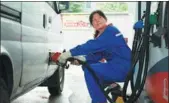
column 111, row 46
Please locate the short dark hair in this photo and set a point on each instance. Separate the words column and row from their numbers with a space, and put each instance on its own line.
column 96, row 12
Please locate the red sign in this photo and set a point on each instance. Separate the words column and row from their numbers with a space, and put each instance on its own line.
column 76, row 24
column 157, row 87
column 75, row 21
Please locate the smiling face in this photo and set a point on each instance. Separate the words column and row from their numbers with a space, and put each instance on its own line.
column 98, row 21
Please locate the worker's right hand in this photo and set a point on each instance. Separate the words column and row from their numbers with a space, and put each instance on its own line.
column 62, row 58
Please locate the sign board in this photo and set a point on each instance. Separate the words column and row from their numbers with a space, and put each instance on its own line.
column 75, row 21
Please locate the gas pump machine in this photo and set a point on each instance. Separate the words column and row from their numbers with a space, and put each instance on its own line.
column 150, row 54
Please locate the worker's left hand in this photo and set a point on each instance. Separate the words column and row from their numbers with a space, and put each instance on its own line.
column 76, row 62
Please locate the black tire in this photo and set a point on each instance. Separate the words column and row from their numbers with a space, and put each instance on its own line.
column 60, row 76
column 4, row 95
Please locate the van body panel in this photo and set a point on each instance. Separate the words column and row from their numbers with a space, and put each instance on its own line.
column 10, row 41
column 29, row 31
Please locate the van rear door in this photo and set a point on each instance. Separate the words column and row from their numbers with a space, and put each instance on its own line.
column 54, row 35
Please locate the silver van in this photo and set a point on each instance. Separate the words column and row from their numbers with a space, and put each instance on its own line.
column 30, row 31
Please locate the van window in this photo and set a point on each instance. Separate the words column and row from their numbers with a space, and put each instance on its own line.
column 10, row 13
column 54, row 6
column 51, row 4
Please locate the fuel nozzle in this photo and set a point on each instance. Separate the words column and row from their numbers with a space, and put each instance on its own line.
column 156, row 37
column 55, row 56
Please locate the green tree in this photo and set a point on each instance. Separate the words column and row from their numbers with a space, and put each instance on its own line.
column 80, row 7
column 112, row 6
column 76, row 7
